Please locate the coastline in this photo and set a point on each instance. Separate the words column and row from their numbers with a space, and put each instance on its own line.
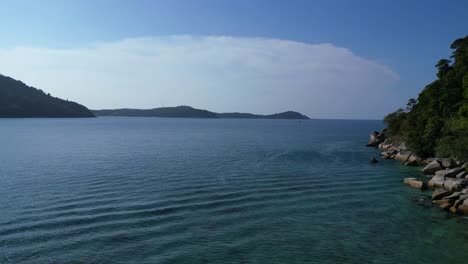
column 447, row 179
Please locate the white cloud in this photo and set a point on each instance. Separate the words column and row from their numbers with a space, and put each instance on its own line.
column 215, row 72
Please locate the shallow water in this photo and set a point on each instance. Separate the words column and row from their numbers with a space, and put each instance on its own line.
column 153, row 190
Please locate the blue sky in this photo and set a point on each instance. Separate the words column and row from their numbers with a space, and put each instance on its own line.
column 404, row 37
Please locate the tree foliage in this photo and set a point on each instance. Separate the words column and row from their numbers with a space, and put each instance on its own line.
column 436, row 123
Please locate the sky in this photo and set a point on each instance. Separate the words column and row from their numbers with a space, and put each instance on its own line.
column 326, row 59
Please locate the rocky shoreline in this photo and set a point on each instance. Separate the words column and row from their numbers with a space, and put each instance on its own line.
column 447, row 178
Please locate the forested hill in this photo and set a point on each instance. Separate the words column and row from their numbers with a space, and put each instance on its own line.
column 19, row 100
column 190, row 112
column 436, row 123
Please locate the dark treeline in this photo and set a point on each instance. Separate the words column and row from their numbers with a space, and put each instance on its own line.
column 436, row 123
column 19, row 100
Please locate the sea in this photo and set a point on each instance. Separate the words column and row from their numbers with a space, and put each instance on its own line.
column 169, row 190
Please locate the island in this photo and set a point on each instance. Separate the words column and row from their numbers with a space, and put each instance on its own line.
column 190, row 112
column 20, row 100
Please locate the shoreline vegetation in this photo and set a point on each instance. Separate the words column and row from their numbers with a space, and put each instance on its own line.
column 433, row 132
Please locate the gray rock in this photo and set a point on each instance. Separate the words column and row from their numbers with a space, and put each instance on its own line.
column 415, row 158
column 461, row 175
column 389, row 154
column 440, row 193
column 453, row 184
column 373, row 160
column 403, row 155
column 437, row 182
column 376, row 138
column 429, row 160
column 462, row 209
column 432, row 167
column 453, row 196
column 449, row 173
column 448, row 163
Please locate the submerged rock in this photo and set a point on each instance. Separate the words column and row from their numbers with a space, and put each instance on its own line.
column 373, row 160
column 413, row 182
column 423, row 202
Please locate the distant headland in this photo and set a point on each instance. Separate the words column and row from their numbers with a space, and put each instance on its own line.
column 20, row 100
column 190, row 112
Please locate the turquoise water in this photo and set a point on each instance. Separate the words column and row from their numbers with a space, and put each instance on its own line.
column 151, row 190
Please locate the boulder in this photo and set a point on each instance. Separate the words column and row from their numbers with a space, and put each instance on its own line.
column 376, row 138
column 415, row 157
column 449, row 173
column 440, row 193
column 384, row 146
column 445, row 205
column 373, row 160
column 461, row 175
column 437, row 182
column 454, row 196
column 448, row 163
column 464, row 191
column 453, row 184
column 413, row 182
column 389, row 154
column 457, row 203
column 429, row 160
column 403, row 155
column 432, row 167
column 462, row 209
column 453, row 209
column 386, row 155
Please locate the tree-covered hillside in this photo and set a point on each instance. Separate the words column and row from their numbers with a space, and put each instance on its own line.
column 19, row 100
column 436, row 123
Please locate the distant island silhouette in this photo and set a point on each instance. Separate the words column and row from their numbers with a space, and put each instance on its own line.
column 20, row 100
column 190, row 112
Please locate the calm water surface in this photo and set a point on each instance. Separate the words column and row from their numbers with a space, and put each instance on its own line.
column 151, row 190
